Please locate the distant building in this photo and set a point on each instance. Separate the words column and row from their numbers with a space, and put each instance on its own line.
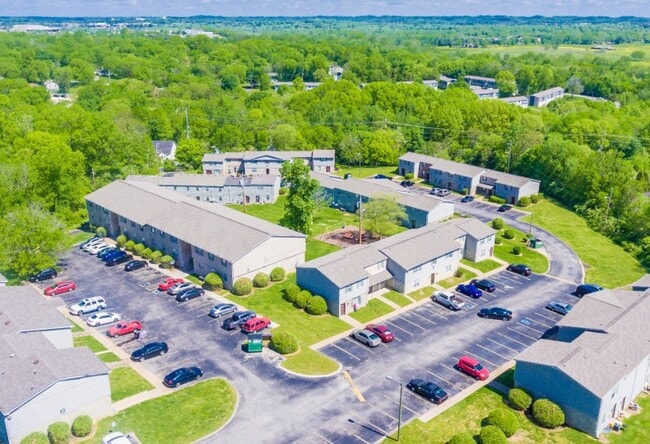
column 252, row 163
column 595, row 362
column 165, row 149
column 44, row 378
column 3, row 280
column 481, row 82
column 517, row 100
column 445, row 81
column 51, row 86
column 485, row 93
column 336, row 72
column 308, row 86
column 430, row 83
column 545, row 97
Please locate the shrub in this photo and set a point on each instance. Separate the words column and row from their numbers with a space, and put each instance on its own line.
column 284, row 343
column 316, row 306
column 464, row 191
column 504, row 419
column 516, row 250
column 261, row 280
column 58, row 433
column 497, row 241
column 82, row 426
column 129, row 245
column 409, row 176
column 462, row 438
column 509, row 234
column 283, row 191
column 277, row 274
column 155, row 257
column 302, row 299
column 35, row 438
column 213, row 281
column 138, row 249
column 121, row 240
column 291, row 293
column 534, row 198
column 242, row 287
column 524, row 201
column 100, row 232
column 147, row 253
column 519, row 399
column 492, row 435
column 497, row 223
column 547, row 414
column 166, row 261
column 497, row 199
column 459, row 273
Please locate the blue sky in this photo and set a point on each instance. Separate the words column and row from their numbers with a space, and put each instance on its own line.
column 113, row 8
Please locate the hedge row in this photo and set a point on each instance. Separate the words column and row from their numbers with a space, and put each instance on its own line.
column 545, row 412
column 314, row 305
column 60, row 432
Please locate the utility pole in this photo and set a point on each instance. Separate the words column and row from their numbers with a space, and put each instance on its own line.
column 187, row 124
column 509, row 156
column 243, row 193
column 360, row 212
column 609, row 202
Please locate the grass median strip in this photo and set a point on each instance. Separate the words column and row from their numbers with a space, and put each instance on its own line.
column 373, row 310
column 90, row 342
column 126, row 382
column 504, row 251
column 461, row 275
column 397, row 298
column 421, row 293
column 108, row 357
column 486, row 265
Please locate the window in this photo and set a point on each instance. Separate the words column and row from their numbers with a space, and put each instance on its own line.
column 153, row 230
column 348, row 289
column 122, row 219
column 416, row 283
column 224, row 262
column 173, row 240
column 198, row 251
column 162, row 234
column 448, row 268
column 418, row 268
column 211, row 256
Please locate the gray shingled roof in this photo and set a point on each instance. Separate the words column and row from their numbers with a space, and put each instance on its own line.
column 507, row 179
column 164, row 146
column 282, row 155
column 546, row 92
column 29, row 362
column 346, row 266
column 204, row 180
column 474, row 227
column 615, row 340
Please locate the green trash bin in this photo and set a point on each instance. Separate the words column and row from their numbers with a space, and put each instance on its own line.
column 535, row 243
column 255, row 343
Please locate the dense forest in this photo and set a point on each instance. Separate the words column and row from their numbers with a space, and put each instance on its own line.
column 217, row 93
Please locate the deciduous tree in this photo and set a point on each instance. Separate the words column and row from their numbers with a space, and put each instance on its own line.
column 300, row 206
column 382, row 215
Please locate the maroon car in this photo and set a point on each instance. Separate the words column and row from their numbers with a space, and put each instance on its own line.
column 382, row 331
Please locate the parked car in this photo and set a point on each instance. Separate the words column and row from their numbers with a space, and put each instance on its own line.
column 442, row 192
column 484, row 284
column 96, row 248
column 116, row 438
column 449, row 300
column 43, row 275
column 382, row 331
column 469, row 290
column 495, row 313
column 104, row 253
column 168, row 283
column 467, row 199
column 150, row 350
column 60, row 288
column 586, row 289
column 103, row 248
column 189, row 293
column 177, row 288
column 124, row 328
column 428, row 390
column 407, row 183
column 182, row 376
column 559, row 307
column 222, row 309
column 503, row 208
column 255, row 325
column 88, row 305
column 366, row 337
column 103, row 318
column 90, row 241
column 105, row 256
column 135, row 264
column 521, row 269
column 118, row 259
column 237, row 319
column 473, row 368
column 381, row 176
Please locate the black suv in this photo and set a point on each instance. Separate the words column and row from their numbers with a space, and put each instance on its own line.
column 238, row 319
column 484, row 284
column 118, row 259
column 150, row 350
column 586, row 289
column 43, row 275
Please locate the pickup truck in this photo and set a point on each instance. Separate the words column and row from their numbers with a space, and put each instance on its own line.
column 238, row 319
column 124, row 328
column 449, row 300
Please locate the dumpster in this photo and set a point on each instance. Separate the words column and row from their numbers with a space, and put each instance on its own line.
column 255, row 343
column 535, row 243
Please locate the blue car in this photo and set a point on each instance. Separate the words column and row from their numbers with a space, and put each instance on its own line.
column 469, row 290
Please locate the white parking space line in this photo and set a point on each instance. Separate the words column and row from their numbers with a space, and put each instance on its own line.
column 531, row 328
column 379, row 410
column 543, row 324
column 359, row 344
column 347, row 352
column 413, row 324
column 522, row 334
column 360, row 438
column 420, row 316
column 399, row 328
column 480, row 358
column 403, row 406
column 434, row 311
column 446, row 380
column 503, row 345
column 204, row 306
column 493, row 352
column 545, row 316
column 513, row 339
column 323, row 438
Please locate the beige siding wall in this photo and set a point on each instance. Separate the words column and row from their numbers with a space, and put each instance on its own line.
column 282, row 252
column 59, row 338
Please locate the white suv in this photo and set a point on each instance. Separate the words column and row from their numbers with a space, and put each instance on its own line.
column 88, row 305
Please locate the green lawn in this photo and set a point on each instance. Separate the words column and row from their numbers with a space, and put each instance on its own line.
column 421, row 293
column 76, row 328
column 467, row 416
column 373, row 310
column 316, row 249
column 465, row 275
column 310, row 362
column 605, row 262
column 108, row 357
column 76, row 237
column 397, row 298
column 366, row 171
column 486, row 265
column 638, row 426
column 183, row 416
column 534, row 259
column 126, row 382
column 88, row 341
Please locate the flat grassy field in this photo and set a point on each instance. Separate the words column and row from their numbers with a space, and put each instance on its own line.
column 464, row 275
column 486, row 265
column 316, row 249
column 366, row 171
column 183, row 416
column 421, row 293
column 373, row 310
column 535, row 260
column 88, row 341
column 397, row 298
column 108, row 357
column 605, row 262
column 126, row 382
column 310, row 362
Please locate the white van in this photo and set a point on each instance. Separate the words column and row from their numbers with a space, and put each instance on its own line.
column 88, row 305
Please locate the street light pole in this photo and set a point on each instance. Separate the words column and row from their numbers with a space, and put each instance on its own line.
column 243, row 192
column 360, row 213
column 399, row 416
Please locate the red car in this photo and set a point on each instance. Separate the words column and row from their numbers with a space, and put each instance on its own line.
column 473, row 368
column 256, row 324
column 382, row 331
column 124, row 328
column 169, row 283
column 60, row 287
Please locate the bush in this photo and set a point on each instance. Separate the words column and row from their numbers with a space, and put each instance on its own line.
column 147, row 253
column 242, row 287
column 58, row 433
column 497, row 199
column 462, row 438
column 409, row 176
column 213, row 281
column 534, row 198
column 524, row 201
column 277, row 274
column 464, row 191
column 459, row 273
column 121, row 240
column 283, row 191
column 129, row 245
column 516, row 250
column 284, row 343
column 497, row 223
column 291, row 293
column 261, row 280
column 35, row 438
column 509, row 234
column 301, row 300
column 492, row 435
column 497, row 241
column 100, row 232
column 139, row 249
column 506, row 420
column 155, row 257
column 547, row 414
column 519, row 399
column 166, row 261
column 82, row 426
column 316, row 306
